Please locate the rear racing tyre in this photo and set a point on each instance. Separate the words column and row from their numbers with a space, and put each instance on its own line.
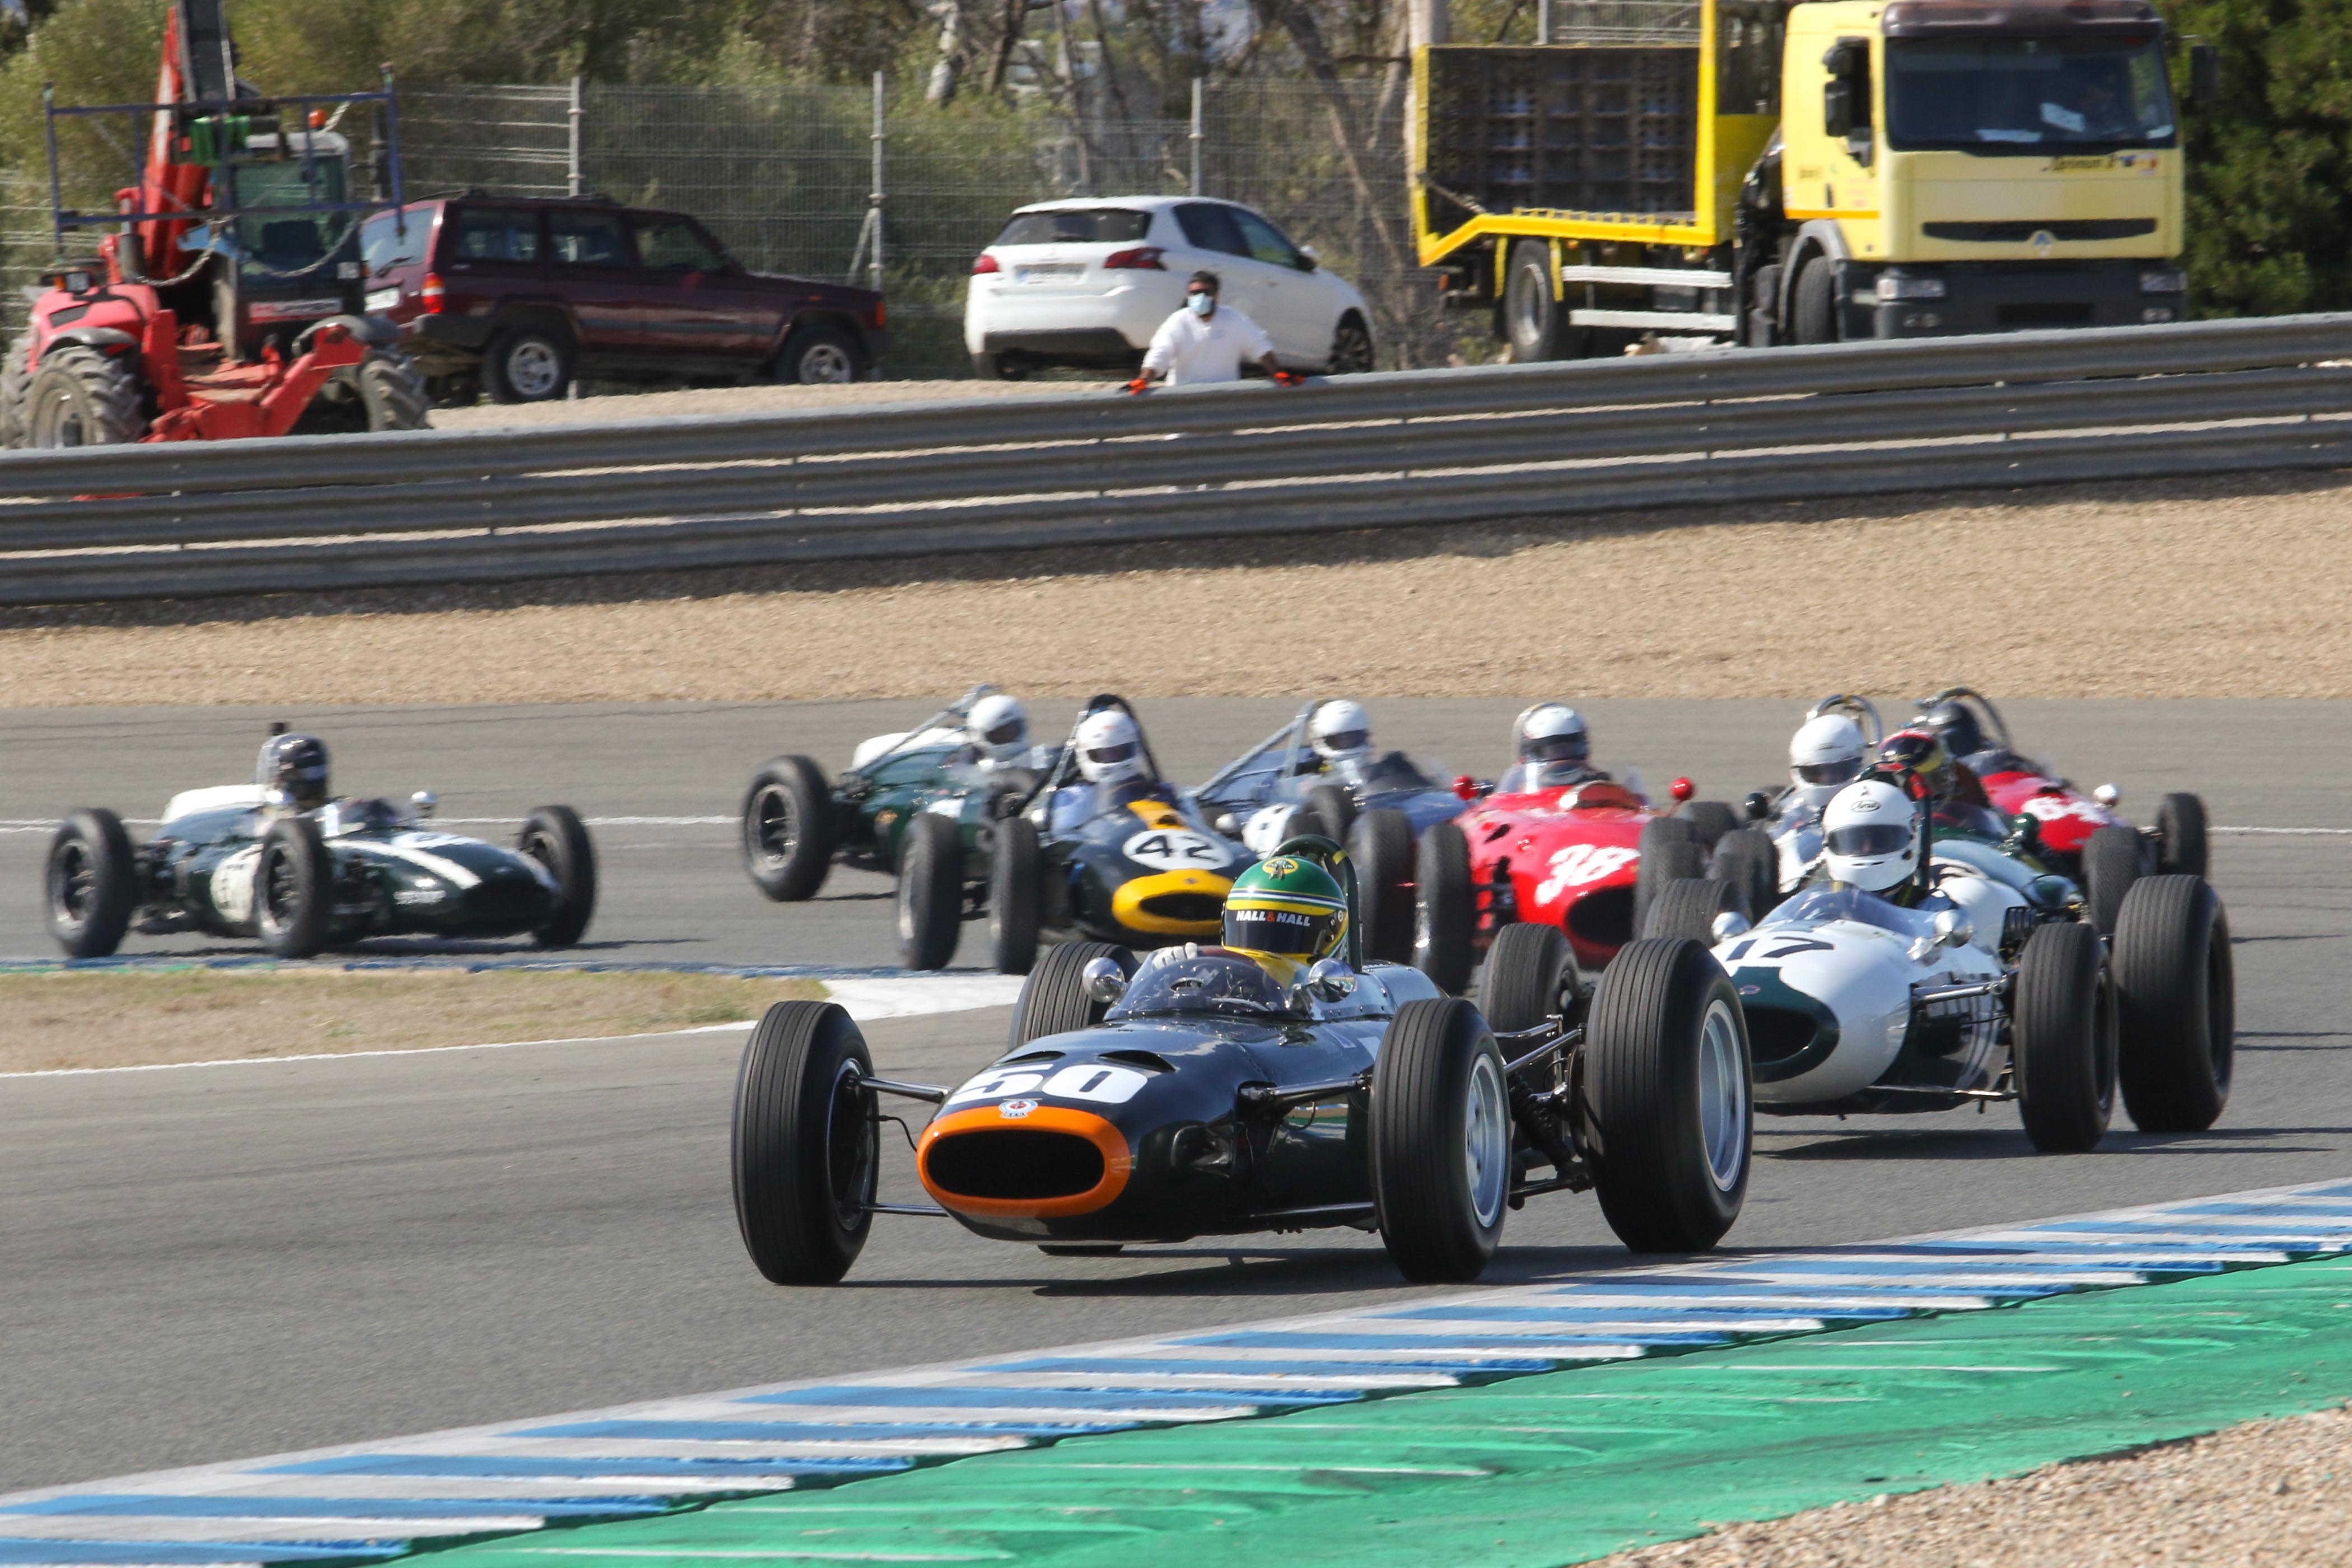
column 556, row 838
column 527, row 363
column 1054, row 999
column 2176, row 991
column 1015, row 888
column 2113, row 860
column 1351, row 348
column 2180, row 835
column 1666, row 856
column 1441, row 1142
column 1748, row 859
column 2063, row 1019
column 1534, row 317
column 1529, row 973
column 16, row 380
column 91, row 885
column 1668, row 1116
column 1444, row 909
column 1812, row 304
column 1329, row 811
column 1688, row 907
column 821, row 355
column 293, row 889
column 789, row 829
column 1710, row 820
column 1381, row 844
column 806, row 1150
column 81, row 398
column 930, row 891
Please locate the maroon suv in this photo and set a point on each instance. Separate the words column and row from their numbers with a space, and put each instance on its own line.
column 515, row 296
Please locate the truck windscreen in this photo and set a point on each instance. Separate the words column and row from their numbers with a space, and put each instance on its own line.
column 298, row 241
column 2017, row 95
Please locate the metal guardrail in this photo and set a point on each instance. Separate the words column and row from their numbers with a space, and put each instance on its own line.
column 440, row 507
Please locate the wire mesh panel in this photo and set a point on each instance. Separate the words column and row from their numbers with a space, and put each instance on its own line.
column 512, row 141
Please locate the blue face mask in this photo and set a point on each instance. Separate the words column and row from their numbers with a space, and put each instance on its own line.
column 1201, row 304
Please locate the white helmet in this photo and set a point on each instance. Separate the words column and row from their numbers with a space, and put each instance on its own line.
column 1110, row 749
column 1825, row 756
column 1870, row 835
column 1341, row 730
column 1553, row 732
column 998, row 725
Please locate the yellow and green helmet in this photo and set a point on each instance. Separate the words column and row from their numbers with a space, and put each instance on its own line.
column 1286, row 907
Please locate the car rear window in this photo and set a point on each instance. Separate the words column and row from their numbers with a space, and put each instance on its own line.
column 493, row 233
column 386, row 241
column 587, row 240
column 1077, row 225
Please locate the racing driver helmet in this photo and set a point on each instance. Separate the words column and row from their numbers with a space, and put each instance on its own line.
column 296, row 764
column 1952, row 723
column 1110, row 749
column 1553, row 732
column 1870, row 835
column 997, row 727
column 1825, row 756
column 1286, row 907
column 1919, row 751
column 1340, row 732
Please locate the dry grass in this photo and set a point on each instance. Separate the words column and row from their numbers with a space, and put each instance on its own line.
column 104, row 1018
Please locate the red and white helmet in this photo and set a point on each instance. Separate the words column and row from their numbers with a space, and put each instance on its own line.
column 1870, row 835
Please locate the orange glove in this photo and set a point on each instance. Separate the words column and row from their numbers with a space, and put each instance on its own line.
column 1289, row 378
column 1138, row 386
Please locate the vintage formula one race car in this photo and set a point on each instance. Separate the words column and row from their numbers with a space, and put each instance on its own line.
column 1195, row 1095
column 240, row 860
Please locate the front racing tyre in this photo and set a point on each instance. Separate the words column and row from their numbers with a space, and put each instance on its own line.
column 789, row 834
column 2063, row 1019
column 1381, row 844
column 2180, row 835
column 2112, row 862
column 806, row 1150
column 556, row 838
column 293, row 889
column 1445, row 910
column 2177, row 1003
column 1014, row 886
column 1688, row 909
column 930, row 891
column 91, row 886
column 1441, row 1142
column 1329, row 811
column 1748, row 859
column 1669, row 854
column 1666, row 1112
column 1529, row 976
column 1054, row 999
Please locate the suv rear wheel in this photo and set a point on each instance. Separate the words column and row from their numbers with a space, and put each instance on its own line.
column 527, row 364
column 820, row 354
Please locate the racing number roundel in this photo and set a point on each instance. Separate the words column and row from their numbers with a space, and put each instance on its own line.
column 1174, row 849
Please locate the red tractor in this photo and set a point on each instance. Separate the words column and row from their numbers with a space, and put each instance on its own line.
column 231, row 299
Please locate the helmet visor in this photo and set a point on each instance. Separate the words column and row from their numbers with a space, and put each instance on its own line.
column 1285, row 933
column 1845, row 770
column 1347, row 741
column 1868, row 839
column 1560, row 749
column 1006, row 734
column 1111, row 756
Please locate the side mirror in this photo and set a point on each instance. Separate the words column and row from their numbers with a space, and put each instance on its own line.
column 1837, row 107
column 1328, row 980
column 2204, row 74
column 2107, row 794
column 1106, row 981
column 2026, row 827
column 273, row 798
column 1728, row 924
column 1467, row 788
column 1757, row 806
column 1307, row 261
column 424, row 803
column 1227, row 824
column 1682, row 790
column 1953, row 930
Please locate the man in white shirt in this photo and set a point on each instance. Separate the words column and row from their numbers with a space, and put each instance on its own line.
column 1202, row 342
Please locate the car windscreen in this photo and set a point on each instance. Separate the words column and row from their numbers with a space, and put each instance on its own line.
column 395, row 239
column 1992, row 95
column 1819, row 905
column 298, row 241
column 1077, row 225
column 1210, row 983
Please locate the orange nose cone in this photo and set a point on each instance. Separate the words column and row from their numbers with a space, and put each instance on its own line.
column 1021, row 1160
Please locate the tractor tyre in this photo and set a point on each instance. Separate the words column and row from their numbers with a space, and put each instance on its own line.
column 81, row 398
column 16, row 380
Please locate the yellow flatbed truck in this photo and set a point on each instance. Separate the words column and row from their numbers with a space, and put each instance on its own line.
column 1693, row 172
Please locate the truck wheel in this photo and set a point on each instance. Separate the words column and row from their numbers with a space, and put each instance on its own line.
column 1687, row 908
column 806, row 1152
column 1749, row 861
column 1813, row 307
column 1381, row 845
column 1444, row 911
column 1054, row 999
column 2112, row 862
column 16, row 380
column 1667, row 1117
column 91, row 886
column 1530, row 970
column 1329, row 811
column 1441, row 1142
column 2180, row 835
column 1710, row 820
column 2065, row 1023
column 789, row 832
column 556, row 838
column 1667, row 856
column 81, row 398
column 528, row 365
column 1013, row 897
column 2177, row 1002
column 1535, row 319
column 1764, row 307
column 293, row 889
column 930, row 891
column 821, row 355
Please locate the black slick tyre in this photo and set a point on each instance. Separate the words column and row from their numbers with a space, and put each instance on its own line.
column 1444, row 911
column 1014, row 890
column 2112, row 861
column 1441, row 1142
column 821, row 355
column 556, row 838
column 293, row 889
column 2063, row 1020
column 1668, row 855
column 2176, row 993
column 1710, row 820
column 1748, row 859
column 2180, row 835
column 1812, row 304
column 806, row 1153
column 1054, row 999
column 527, row 363
column 1528, row 973
column 90, row 889
column 1688, row 906
column 1381, row 844
column 930, row 892
column 81, row 397
column 789, row 830
column 1666, row 1109
column 1329, row 811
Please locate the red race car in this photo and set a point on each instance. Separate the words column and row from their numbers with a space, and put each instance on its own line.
column 2081, row 834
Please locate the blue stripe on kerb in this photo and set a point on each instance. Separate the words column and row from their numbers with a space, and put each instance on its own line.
column 1276, row 1339
column 757, row 1431
column 20, row 1549
column 159, row 1505
column 653, row 1467
column 1369, row 1372
column 945, row 1396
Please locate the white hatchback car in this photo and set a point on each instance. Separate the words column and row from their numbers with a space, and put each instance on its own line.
column 1086, row 282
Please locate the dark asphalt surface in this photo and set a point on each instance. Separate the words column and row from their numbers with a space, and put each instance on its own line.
column 205, row 1264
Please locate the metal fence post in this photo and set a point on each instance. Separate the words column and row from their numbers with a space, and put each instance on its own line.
column 571, row 148
column 1543, row 21
column 1195, row 137
column 874, row 201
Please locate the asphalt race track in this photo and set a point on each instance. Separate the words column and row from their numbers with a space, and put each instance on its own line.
column 205, row 1263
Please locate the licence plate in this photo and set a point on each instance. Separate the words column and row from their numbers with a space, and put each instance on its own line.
column 383, row 298
column 1049, row 272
